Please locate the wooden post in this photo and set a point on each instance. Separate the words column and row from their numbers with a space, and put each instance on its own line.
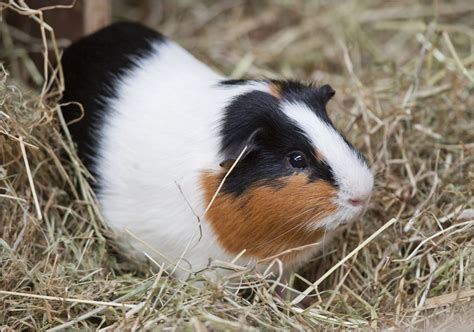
column 96, row 14
column 70, row 23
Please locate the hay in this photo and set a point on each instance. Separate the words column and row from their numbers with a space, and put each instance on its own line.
column 403, row 72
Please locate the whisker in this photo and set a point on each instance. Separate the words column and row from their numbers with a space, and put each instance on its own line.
column 296, row 227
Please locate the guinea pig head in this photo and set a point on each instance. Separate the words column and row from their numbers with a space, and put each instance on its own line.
column 298, row 178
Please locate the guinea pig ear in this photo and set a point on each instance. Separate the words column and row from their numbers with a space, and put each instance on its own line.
column 250, row 143
column 327, row 92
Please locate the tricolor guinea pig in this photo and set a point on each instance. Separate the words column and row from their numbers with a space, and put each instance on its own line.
column 165, row 136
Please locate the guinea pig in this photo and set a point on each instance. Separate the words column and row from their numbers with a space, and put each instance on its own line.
column 199, row 167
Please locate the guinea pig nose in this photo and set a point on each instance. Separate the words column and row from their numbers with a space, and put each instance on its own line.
column 357, row 201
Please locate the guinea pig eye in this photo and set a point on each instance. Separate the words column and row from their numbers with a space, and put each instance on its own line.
column 297, row 160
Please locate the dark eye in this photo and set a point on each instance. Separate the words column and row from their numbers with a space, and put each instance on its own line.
column 297, row 159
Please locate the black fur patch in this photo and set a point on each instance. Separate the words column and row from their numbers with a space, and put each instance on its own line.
column 234, row 82
column 313, row 96
column 91, row 68
column 276, row 137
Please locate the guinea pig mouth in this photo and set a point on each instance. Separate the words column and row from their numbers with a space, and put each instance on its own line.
column 345, row 214
column 355, row 210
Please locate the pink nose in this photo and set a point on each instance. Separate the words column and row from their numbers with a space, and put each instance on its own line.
column 357, row 201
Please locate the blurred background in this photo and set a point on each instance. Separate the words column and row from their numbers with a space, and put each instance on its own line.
column 296, row 38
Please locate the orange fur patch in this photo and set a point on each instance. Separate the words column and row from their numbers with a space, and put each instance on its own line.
column 275, row 90
column 267, row 220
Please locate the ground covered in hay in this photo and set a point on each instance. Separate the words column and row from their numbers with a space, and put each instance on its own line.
column 404, row 75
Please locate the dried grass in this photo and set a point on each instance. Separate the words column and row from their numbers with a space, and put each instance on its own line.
column 403, row 72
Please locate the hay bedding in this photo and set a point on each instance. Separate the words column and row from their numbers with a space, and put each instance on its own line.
column 404, row 75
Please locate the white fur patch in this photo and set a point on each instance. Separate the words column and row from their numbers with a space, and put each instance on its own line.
column 352, row 174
